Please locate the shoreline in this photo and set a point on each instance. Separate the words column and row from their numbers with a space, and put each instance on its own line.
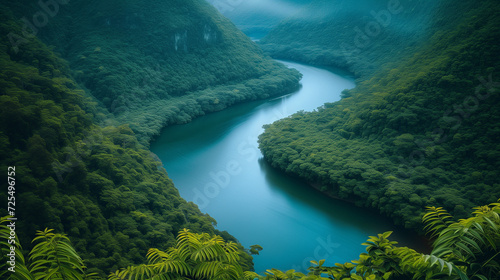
column 426, row 241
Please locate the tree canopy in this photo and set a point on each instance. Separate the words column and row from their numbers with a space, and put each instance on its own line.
column 82, row 172
column 421, row 132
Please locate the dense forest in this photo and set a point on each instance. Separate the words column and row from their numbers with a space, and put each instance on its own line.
column 421, row 132
column 85, row 85
column 76, row 130
column 256, row 18
column 361, row 35
column 152, row 64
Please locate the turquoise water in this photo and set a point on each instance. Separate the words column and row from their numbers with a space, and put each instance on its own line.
column 214, row 161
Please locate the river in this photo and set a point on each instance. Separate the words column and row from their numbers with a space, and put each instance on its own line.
column 214, row 161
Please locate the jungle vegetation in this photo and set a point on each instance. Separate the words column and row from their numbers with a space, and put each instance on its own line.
column 155, row 63
column 77, row 131
column 80, row 175
column 423, row 132
column 361, row 36
column 464, row 249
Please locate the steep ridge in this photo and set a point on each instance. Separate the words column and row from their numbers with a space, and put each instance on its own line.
column 421, row 132
column 155, row 63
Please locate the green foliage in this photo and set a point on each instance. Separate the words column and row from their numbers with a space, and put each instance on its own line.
column 472, row 243
column 53, row 257
column 194, row 256
column 153, row 64
column 406, row 137
column 467, row 249
column 12, row 254
column 255, row 249
column 97, row 184
column 436, row 219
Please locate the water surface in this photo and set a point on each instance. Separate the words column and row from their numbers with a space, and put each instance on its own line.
column 214, row 161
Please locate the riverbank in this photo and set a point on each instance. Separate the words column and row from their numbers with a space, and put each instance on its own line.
column 214, row 161
column 148, row 118
column 426, row 243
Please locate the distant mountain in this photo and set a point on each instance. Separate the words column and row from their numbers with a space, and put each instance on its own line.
column 257, row 17
column 359, row 35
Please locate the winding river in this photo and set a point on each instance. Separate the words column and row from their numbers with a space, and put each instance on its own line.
column 214, row 161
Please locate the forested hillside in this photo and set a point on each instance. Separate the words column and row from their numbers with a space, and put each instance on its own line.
column 155, row 63
column 76, row 118
column 79, row 165
column 361, row 35
column 423, row 132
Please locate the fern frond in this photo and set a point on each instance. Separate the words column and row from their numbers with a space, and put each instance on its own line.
column 54, row 256
column 195, row 256
column 173, row 266
column 435, row 220
column 250, row 275
column 6, row 242
column 420, row 264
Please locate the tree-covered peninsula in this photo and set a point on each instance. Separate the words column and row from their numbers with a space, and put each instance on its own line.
column 420, row 131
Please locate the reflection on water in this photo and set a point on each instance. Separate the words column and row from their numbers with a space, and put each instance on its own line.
column 214, row 161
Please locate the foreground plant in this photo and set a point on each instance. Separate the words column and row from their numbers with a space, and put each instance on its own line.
column 467, row 249
column 195, row 256
column 52, row 257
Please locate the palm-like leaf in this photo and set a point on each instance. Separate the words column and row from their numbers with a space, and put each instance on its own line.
column 288, row 275
column 473, row 241
column 195, row 256
column 469, row 238
column 21, row 272
column 53, row 257
column 423, row 266
column 436, row 219
column 250, row 275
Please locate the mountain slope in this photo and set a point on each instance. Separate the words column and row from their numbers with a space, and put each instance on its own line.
column 422, row 133
column 96, row 183
column 155, row 63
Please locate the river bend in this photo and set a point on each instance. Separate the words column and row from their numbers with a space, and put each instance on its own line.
column 214, row 161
